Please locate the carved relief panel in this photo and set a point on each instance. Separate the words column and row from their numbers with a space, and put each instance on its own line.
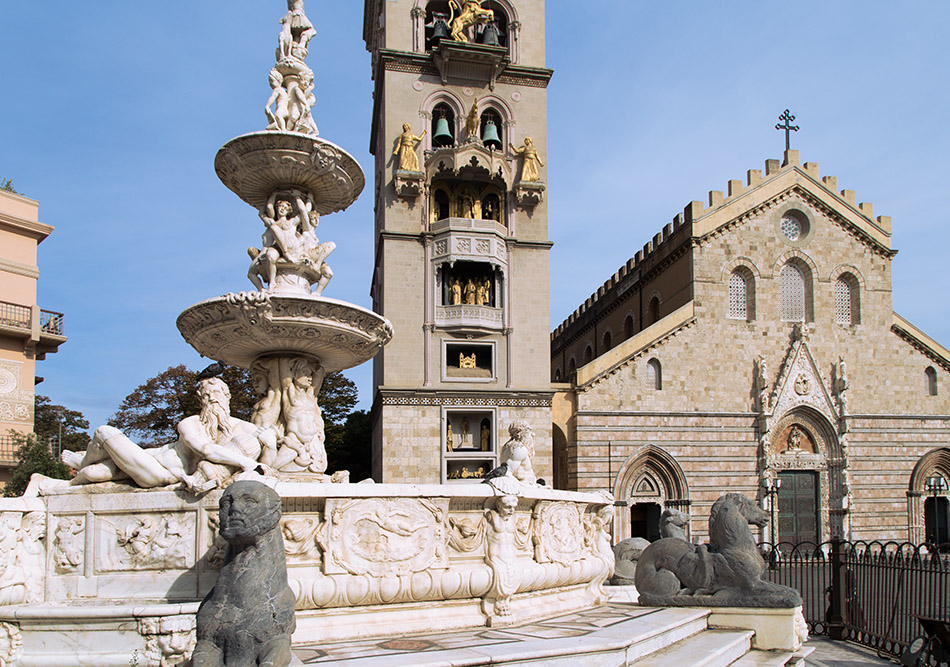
column 137, row 542
column 559, row 532
column 381, row 536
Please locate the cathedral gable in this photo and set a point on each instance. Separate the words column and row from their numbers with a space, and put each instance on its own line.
column 799, row 384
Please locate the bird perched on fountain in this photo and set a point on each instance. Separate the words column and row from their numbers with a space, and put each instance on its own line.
column 500, row 471
column 212, row 371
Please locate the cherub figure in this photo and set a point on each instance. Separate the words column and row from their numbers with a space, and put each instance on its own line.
column 280, row 99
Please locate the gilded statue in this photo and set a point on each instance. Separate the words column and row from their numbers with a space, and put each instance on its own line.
column 483, row 292
column 449, row 438
column 406, row 148
column 455, row 292
column 469, row 292
column 486, row 438
column 529, row 168
column 471, row 121
column 470, row 12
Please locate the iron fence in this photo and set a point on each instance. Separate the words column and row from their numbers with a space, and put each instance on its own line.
column 870, row 593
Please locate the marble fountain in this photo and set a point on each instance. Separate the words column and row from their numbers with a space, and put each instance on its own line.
column 109, row 568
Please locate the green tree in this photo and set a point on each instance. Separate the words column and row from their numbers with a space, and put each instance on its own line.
column 51, row 421
column 7, row 184
column 33, row 455
column 349, row 446
column 150, row 414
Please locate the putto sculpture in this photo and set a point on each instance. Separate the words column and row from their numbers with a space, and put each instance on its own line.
column 725, row 573
column 291, row 80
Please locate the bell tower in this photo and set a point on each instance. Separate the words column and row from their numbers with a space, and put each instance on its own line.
column 459, row 136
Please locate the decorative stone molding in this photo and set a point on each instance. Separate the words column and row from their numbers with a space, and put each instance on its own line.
column 69, row 543
column 11, row 644
column 16, row 401
column 408, row 184
column 169, row 640
column 526, row 402
column 529, row 194
column 255, row 165
column 469, row 160
column 466, row 60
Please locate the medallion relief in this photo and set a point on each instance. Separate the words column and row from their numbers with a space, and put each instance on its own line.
column 381, row 536
column 559, row 532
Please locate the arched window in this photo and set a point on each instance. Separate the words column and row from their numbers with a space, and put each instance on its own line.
column 443, row 134
column 847, row 302
column 742, row 295
column 654, row 374
column 654, row 310
column 571, row 368
column 628, row 327
column 931, row 378
column 557, row 374
column 491, row 207
column 440, row 204
column 793, row 293
column 606, row 341
column 588, row 354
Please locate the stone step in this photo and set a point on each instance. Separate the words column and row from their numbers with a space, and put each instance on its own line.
column 711, row 648
column 611, row 636
column 765, row 659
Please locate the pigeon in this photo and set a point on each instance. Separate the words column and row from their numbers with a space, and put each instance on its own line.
column 500, row 471
column 214, row 370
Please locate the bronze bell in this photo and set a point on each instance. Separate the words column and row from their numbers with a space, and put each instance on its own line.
column 440, row 29
column 489, row 35
column 443, row 135
column 490, row 135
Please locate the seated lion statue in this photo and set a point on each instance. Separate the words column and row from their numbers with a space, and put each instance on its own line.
column 725, row 573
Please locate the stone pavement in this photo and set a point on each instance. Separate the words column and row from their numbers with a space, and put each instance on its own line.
column 829, row 653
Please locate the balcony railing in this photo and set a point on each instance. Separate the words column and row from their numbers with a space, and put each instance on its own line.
column 51, row 322
column 20, row 317
column 15, row 315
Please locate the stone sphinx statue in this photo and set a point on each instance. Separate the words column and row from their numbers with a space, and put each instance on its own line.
column 248, row 617
column 725, row 573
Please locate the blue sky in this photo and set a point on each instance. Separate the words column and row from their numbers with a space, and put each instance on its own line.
column 113, row 112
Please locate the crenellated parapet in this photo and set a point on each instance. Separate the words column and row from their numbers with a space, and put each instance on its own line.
column 722, row 210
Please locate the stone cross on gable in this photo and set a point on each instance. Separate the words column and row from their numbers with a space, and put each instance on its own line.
column 788, row 127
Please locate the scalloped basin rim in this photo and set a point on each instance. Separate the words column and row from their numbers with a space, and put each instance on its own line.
column 238, row 328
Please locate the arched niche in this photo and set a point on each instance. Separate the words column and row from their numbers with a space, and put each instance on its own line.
column 649, row 476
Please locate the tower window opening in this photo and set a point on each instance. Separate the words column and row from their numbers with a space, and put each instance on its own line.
column 930, row 377
column 469, row 284
column 443, row 125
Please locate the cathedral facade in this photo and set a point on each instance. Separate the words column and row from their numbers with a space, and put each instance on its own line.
column 752, row 346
